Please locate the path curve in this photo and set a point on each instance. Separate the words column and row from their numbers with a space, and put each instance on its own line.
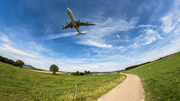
column 130, row 89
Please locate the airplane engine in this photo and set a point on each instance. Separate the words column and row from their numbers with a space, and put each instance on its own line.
column 87, row 22
column 67, row 23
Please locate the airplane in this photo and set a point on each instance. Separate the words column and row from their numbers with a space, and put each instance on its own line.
column 75, row 23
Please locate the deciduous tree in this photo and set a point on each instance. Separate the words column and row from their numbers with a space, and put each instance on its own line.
column 77, row 73
column 54, row 68
column 19, row 63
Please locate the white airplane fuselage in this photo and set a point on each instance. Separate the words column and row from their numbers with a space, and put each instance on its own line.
column 73, row 20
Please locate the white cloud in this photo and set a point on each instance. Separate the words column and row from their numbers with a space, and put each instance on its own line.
column 178, row 20
column 118, row 36
column 146, row 26
column 93, row 43
column 34, row 46
column 120, row 47
column 149, row 37
column 168, row 23
column 37, row 60
column 11, row 49
column 4, row 38
column 171, row 19
column 96, row 35
column 55, row 36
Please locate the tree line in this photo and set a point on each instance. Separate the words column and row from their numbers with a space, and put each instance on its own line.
column 54, row 68
column 131, row 67
column 77, row 73
column 18, row 62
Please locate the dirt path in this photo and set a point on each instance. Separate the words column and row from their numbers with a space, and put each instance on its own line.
column 130, row 89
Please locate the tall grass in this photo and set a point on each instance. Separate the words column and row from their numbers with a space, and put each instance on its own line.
column 162, row 82
column 22, row 84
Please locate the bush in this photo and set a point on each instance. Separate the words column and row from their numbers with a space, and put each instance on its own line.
column 82, row 74
column 87, row 72
column 77, row 73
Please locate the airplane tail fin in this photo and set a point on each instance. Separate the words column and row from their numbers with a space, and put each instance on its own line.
column 81, row 34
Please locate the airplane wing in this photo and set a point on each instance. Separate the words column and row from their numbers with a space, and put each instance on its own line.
column 79, row 23
column 68, row 25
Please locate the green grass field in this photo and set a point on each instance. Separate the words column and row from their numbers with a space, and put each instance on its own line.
column 21, row 84
column 162, row 83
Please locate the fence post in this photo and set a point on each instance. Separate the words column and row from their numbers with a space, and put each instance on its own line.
column 75, row 89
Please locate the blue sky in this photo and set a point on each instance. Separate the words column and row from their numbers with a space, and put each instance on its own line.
column 127, row 32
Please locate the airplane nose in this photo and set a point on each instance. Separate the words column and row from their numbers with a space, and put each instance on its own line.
column 67, row 9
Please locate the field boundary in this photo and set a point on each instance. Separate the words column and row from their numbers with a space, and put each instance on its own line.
column 49, row 72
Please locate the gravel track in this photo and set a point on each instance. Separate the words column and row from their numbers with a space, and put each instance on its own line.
column 130, row 89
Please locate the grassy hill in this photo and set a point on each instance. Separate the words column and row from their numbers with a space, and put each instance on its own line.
column 22, row 84
column 162, row 82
